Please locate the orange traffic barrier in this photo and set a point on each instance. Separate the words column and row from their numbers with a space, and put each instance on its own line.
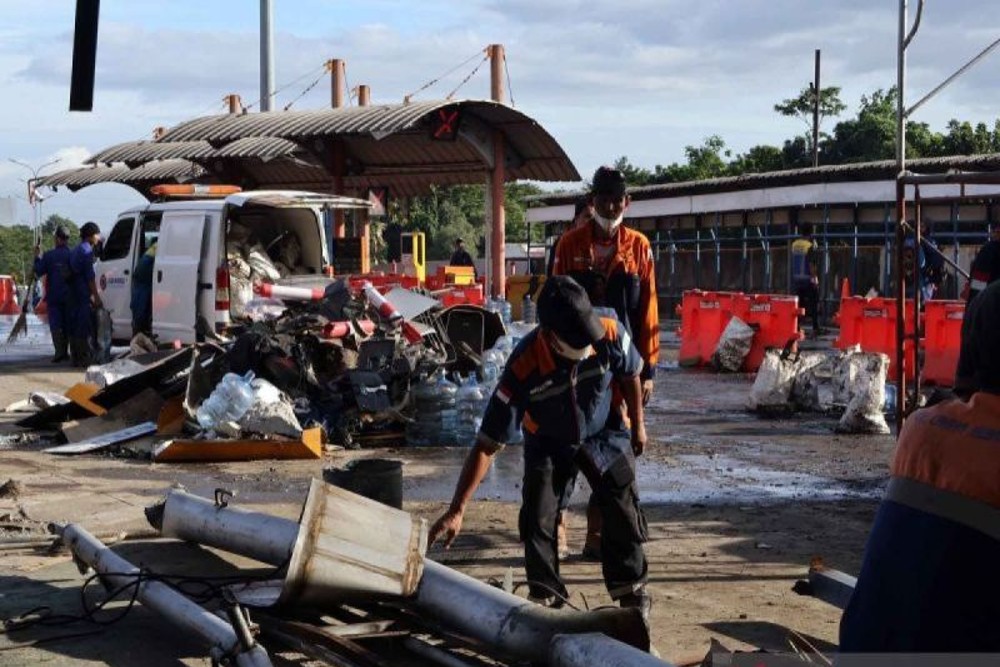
column 775, row 319
column 463, row 294
column 704, row 315
column 871, row 323
column 8, row 296
column 942, row 340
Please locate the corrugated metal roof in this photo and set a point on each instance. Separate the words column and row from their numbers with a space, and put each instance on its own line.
column 387, row 145
column 855, row 171
column 137, row 152
column 161, row 171
column 264, row 148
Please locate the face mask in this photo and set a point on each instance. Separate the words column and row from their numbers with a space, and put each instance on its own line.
column 608, row 224
column 563, row 349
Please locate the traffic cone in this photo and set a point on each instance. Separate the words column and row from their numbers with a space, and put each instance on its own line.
column 845, row 289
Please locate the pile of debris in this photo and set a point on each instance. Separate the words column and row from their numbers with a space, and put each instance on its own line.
column 361, row 568
column 849, row 383
column 339, row 365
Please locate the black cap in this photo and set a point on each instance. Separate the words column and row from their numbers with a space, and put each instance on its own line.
column 61, row 233
column 459, row 240
column 564, row 309
column 608, row 181
column 979, row 355
column 89, row 229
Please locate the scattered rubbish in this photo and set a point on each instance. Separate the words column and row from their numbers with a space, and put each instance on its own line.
column 117, row 573
column 81, row 394
column 228, row 402
column 102, row 339
column 308, row 446
column 103, row 375
column 864, row 374
column 12, row 489
column 772, row 388
column 136, row 410
column 734, row 346
column 141, row 344
column 105, row 440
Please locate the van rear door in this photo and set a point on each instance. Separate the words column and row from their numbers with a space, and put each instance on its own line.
column 175, row 274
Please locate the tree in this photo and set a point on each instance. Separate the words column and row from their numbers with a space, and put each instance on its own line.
column 634, row 176
column 48, row 227
column 803, row 105
column 757, row 160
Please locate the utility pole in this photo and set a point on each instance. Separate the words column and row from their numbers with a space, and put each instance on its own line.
column 266, row 55
column 817, row 93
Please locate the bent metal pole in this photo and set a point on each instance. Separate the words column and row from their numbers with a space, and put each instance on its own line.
column 116, row 572
column 587, row 650
column 510, row 624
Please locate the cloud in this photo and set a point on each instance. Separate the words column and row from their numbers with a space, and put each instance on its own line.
column 642, row 78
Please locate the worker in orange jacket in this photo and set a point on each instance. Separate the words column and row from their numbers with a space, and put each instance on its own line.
column 615, row 265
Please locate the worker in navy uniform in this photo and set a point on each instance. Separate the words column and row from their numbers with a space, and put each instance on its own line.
column 805, row 278
column 985, row 267
column 556, row 387
column 84, row 297
column 54, row 267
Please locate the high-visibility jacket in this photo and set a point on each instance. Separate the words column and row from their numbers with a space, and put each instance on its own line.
column 629, row 284
column 925, row 583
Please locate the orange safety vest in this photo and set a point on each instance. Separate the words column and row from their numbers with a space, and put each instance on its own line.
column 632, row 256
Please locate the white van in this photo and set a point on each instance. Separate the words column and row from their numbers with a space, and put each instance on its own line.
column 191, row 275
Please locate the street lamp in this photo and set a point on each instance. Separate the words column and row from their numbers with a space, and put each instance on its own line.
column 33, row 198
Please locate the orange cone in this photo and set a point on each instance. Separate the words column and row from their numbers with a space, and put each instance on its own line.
column 845, row 289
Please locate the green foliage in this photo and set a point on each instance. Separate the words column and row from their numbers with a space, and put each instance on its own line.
column 17, row 245
column 48, row 228
column 459, row 211
column 802, row 105
column 867, row 137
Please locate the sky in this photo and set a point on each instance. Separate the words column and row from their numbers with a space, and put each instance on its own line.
column 641, row 78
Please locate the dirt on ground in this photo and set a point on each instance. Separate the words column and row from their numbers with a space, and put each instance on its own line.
column 737, row 506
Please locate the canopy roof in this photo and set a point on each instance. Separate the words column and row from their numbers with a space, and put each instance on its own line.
column 388, row 146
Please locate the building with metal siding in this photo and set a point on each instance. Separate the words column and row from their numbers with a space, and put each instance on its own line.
column 733, row 233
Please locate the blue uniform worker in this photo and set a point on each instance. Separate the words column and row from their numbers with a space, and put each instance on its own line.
column 84, row 296
column 142, row 293
column 557, row 388
column 54, row 267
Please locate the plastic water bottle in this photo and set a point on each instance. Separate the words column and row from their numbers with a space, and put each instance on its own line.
column 447, row 405
column 228, row 402
column 435, row 412
column 890, row 399
column 529, row 314
column 505, row 311
column 471, row 405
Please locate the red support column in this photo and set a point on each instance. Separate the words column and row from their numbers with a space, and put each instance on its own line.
column 498, row 235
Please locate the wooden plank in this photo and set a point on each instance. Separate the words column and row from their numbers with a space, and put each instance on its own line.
column 105, row 440
column 81, row 393
column 310, row 446
column 139, row 409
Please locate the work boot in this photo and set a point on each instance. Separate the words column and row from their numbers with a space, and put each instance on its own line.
column 60, row 343
column 592, row 544
column 640, row 599
column 80, row 350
